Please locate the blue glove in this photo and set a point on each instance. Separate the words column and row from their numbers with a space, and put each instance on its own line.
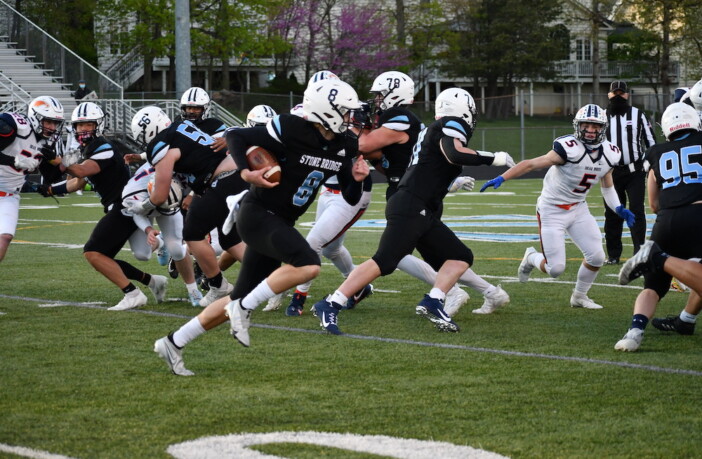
column 626, row 215
column 495, row 183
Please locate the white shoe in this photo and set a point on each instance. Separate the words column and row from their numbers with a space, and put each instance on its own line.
column 631, row 341
column 214, row 293
column 580, row 300
column 195, row 297
column 158, row 286
column 275, row 302
column 131, row 300
column 240, row 321
column 455, row 298
column 525, row 267
column 172, row 356
column 493, row 301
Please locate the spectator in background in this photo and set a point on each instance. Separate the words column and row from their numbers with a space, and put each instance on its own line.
column 82, row 91
column 630, row 130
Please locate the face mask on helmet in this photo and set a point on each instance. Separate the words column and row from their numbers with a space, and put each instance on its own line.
column 679, row 118
column 45, row 115
column 175, row 196
column 88, row 122
column 328, row 103
column 195, row 104
column 260, row 115
column 456, row 102
column 592, row 114
column 392, row 89
column 147, row 123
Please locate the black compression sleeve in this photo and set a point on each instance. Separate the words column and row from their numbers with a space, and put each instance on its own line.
column 464, row 159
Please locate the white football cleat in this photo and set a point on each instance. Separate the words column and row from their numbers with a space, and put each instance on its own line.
column 496, row 299
column 131, row 300
column 276, row 302
column 172, row 356
column 239, row 320
column 158, row 285
column 214, row 293
column 525, row 267
column 455, row 298
column 631, row 341
column 580, row 300
column 195, row 297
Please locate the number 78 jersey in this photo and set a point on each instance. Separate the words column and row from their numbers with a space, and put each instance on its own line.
column 570, row 183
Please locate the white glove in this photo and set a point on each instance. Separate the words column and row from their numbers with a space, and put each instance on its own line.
column 462, row 183
column 502, row 158
column 70, row 158
column 26, row 163
column 233, row 204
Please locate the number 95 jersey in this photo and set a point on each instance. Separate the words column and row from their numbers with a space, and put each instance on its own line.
column 570, row 183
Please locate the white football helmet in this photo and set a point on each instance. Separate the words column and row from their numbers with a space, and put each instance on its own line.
column 195, row 97
column 321, row 75
column 85, row 113
column 46, row 108
column 260, row 115
column 456, row 102
column 297, row 110
column 148, row 122
column 695, row 94
column 327, row 102
column 590, row 113
column 679, row 117
column 174, row 199
column 396, row 88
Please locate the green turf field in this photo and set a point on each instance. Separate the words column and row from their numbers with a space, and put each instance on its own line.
column 535, row 379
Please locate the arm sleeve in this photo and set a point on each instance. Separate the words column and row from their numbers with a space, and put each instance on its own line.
column 239, row 140
column 50, row 172
column 611, row 198
column 351, row 190
column 448, row 148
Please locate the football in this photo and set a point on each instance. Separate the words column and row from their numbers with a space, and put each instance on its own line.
column 259, row 158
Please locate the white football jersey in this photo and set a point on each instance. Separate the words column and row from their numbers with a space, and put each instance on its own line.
column 570, row 183
column 11, row 179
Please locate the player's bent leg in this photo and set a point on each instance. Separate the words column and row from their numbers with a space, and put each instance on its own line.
column 5, row 240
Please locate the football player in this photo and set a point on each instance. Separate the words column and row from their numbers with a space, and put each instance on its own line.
column 259, row 116
column 25, row 141
column 183, row 148
column 675, row 196
column 309, row 151
column 390, row 144
column 413, row 214
column 575, row 163
column 97, row 160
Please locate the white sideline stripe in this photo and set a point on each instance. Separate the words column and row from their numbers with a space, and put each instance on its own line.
column 462, row 347
column 549, row 280
column 29, row 452
column 55, row 221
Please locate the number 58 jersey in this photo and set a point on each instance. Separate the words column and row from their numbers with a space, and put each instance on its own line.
column 570, row 183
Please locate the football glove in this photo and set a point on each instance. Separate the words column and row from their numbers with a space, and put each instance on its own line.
column 45, row 190
column 502, row 158
column 71, row 157
column 626, row 215
column 495, row 183
column 140, row 207
column 462, row 183
column 26, row 163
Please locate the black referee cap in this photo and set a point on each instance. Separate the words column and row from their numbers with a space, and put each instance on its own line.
column 618, row 85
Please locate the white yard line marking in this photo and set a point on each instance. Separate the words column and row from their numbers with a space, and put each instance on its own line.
column 462, row 347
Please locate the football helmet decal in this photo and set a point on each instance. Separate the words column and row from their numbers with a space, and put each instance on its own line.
column 679, row 117
column 321, row 75
column 46, row 108
column 148, row 122
column 259, row 115
column 195, row 97
column 393, row 89
column 328, row 102
column 85, row 113
column 456, row 102
column 590, row 113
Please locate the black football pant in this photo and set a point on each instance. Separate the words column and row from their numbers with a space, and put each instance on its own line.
column 631, row 189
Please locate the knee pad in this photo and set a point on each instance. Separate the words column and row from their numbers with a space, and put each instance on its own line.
column 596, row 259
column 305, row 258
column 142, row 254
column 385, row 268
column 555, row 270
column 175, row 249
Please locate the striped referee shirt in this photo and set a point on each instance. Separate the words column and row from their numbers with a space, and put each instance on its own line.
column 633, row 134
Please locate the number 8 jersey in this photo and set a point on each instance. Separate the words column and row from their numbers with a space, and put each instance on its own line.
column 569, row 183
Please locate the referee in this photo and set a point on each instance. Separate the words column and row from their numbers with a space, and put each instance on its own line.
column 630, row 130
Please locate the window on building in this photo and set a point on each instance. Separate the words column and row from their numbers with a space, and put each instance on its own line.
column 583, row 50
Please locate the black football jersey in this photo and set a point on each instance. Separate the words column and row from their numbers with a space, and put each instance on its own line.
column 197, row 160
column 306, row 160
column 212, row 126
column 398, row 155
column 678, row 169
column 430, row 174
column 114, row 173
